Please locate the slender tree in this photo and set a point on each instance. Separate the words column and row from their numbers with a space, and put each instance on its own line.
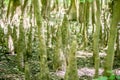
column 58, row 50
column 27, row 71
column 72, row 10
column 65, row 37
column 71, row 72
column 85, row 24
column 112, row 38
column 45, row 8
column 44, row 72
column 96, row 4
column 21, row 43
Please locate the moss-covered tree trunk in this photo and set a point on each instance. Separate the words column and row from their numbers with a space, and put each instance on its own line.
column 81, row 12
column 96, row 36
column 65, row 37
column 21, row 44
column 65, row 4
column 45, row 8
column 118, row 43
column 27, row 71
column 29, row 48
column 44, row 72
column 20, row 50
column 71, row 70
column 72, row 10
column 112, row 38
column 55, row 5
column 12, row 5
column 57, row 50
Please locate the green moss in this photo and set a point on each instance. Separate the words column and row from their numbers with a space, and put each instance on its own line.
column 112, row 38
column 27, row 71
column 44, row 72
column 71, row 73
column 57, row 51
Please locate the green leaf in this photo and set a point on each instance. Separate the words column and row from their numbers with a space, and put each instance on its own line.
column 118, row 77
column 6, row 2
column 112, row 77
column 82, row 1
column 90, row 0
column 111, row 72
column 101, row 78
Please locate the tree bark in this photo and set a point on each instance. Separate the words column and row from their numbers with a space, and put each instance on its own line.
column 44, row 72
column 72, row 11
column 57, row 51
column 112, row 38
column 96, row 37
column 71, row 72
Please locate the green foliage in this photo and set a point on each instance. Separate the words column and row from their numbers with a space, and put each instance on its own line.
column 111, row 77
column 90, row 0
column 101, row 78
column 6, row 2
column 1, row 33
column 54, row 77
column 118, row 77
column 3, row 45
column 9, row 70
column 83, row 1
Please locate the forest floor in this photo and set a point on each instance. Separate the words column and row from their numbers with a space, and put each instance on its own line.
column 84, row 70
column 87, row 71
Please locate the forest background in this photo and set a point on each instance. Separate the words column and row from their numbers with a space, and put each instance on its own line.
column 59, row 39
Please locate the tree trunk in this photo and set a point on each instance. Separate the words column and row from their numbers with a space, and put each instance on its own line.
column 112, row 38
column 45, row 8
column 21, row 44
column 72, row 11
column 44, row 72
column 65, row 37
column 27, row 71
column 57, row 50
column 96, row 37
column 85, row 24
column 71, row 72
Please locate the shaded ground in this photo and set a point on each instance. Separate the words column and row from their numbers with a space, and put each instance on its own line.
column 86, row 72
